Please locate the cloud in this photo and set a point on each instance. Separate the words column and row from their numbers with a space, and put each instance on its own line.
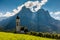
column 9, row 14
column 55, row 15
column 34, row 6
column 19, row 8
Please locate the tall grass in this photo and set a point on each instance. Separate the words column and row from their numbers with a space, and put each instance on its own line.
column 11, row 36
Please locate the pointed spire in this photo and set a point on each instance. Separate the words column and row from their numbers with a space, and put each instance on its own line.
column 17, row 17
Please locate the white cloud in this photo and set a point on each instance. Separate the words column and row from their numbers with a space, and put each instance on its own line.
column 8, row 14
column 18, row 9
column 28, row 4
column 55, row 15
column 36, row 4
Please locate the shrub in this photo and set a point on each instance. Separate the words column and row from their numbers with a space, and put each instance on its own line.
column 22, row 28
column 40, row 34
column 25, row 30
column 33, row 33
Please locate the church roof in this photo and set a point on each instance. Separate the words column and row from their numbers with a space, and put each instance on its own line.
column 17, row 17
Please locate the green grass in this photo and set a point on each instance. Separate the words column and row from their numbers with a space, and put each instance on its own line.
column 12, row 36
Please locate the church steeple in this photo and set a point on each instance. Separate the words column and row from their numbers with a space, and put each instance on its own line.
column 17, row 24
column 17, row 17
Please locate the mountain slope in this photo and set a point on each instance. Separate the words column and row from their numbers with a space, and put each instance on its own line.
column 40, row 21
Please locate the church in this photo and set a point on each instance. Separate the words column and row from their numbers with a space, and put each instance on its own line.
column 19, row 28
column 17, row 24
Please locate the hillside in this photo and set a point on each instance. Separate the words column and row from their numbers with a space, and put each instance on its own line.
column 11, row 36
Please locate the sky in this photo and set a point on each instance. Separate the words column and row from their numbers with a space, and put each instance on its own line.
column 53, row 6
column 9, row 5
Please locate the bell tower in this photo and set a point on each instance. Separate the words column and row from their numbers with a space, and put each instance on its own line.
column 17, row 24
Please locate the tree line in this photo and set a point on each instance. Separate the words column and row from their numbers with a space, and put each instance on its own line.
column 46, row 35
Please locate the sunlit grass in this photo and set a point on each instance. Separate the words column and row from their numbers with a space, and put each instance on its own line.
column 11, row 36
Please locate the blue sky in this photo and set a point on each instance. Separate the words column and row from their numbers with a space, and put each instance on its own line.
column 51, row 6
column 9, row 5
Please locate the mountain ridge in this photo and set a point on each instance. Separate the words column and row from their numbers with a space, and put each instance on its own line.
column 39, row 21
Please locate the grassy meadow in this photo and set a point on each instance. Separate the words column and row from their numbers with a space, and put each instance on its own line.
column 12, row 36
